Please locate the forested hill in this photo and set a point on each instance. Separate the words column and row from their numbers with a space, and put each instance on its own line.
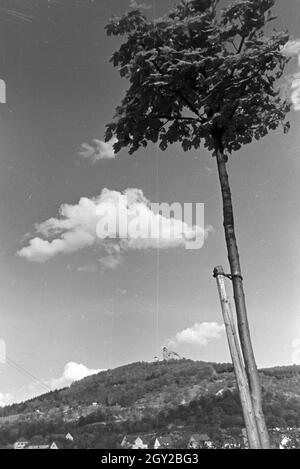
column 165, row 396
column 173, row 382
column 127, row 384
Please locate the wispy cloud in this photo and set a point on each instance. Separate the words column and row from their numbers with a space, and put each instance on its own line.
column 200, row 334
column 88, row 268
column 111, row 262
column 77, row 227
column 292, row 48
column 99, row 150
column 72, row 372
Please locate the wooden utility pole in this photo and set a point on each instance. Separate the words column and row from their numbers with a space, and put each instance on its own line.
column 239, row 295
column 238, row 362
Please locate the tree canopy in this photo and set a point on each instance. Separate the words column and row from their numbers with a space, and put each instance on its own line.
column 199, row 73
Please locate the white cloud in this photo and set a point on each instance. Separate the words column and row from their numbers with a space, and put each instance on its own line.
column 72, row 372
column 6, row 399
column 111, row 262
column 199, row 333
column 98, row 151
column 77, row 227
column 296, row 352
column 295, row 96
column 293, row 48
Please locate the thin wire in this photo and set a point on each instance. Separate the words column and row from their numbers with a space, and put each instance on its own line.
column 157, row 317
column 15, row 16
column 110, row 361
column 27, row 373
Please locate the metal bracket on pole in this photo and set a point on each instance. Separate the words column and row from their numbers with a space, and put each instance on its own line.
column 230, row 276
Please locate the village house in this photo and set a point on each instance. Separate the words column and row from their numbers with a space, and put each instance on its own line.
column 20, row 444
column 163, row 442
column 37, row 447
column 71, row 416
column 199, row 441
column 231, row 444
column 285, row 441
column 275, row 440
column 53, row 445
column 69, row 437
column 35, row 443
column 152, row 441
column 135, row 442
column 285, row 438
column 115, row 408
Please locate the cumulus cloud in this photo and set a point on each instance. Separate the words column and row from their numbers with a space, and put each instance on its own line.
column 113, row 221
column 296, row 352
column 72, row 372
column 199, row 333
column 292, row 48
column 295, row 96
column 6, row 399
column 99, row 150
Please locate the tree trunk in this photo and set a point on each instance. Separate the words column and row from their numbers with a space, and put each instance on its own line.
column 239, row 298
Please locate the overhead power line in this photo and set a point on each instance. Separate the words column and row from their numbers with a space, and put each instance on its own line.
column 28, row 374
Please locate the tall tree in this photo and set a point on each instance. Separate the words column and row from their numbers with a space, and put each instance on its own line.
column 204, row 74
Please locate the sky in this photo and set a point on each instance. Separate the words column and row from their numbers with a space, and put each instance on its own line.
column 78, row 305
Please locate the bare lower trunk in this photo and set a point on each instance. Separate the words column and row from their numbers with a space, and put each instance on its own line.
column 238, row 362
column 239, row 299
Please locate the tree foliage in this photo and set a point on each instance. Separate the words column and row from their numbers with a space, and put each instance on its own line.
column 199, row 73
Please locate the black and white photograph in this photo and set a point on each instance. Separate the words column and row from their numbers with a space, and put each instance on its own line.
column 149, row 227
